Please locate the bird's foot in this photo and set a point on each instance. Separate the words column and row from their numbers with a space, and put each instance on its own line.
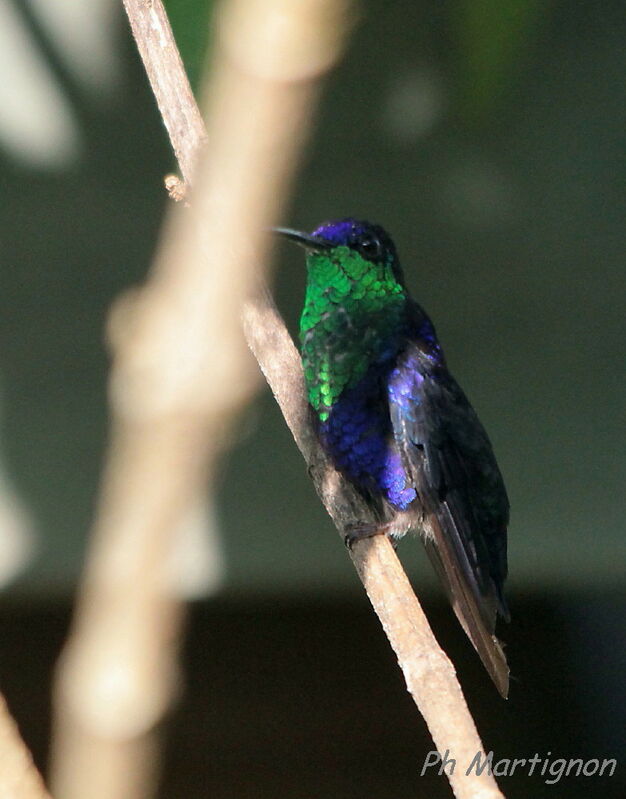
column 357, row 532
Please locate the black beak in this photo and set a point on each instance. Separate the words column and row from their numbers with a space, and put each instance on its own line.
column 303, row 239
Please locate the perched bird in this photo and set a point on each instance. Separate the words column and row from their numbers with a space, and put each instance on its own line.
column 397, row 424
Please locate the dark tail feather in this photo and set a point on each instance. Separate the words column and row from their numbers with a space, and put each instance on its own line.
column 475, row 611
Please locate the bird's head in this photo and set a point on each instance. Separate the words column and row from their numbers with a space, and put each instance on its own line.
column 350, row 249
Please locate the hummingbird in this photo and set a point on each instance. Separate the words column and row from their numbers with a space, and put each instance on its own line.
column 398, row 426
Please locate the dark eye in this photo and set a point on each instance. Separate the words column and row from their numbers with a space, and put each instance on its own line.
column 370, row 248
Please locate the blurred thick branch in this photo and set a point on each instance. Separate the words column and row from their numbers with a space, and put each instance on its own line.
column 19, row 778
column 181, row 372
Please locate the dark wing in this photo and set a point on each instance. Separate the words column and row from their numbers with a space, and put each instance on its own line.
column 446, row 451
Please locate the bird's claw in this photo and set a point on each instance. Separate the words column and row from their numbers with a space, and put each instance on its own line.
column 357, row 532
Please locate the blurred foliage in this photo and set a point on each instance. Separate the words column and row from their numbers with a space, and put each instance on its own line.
column 190, row 23
column 492, row 40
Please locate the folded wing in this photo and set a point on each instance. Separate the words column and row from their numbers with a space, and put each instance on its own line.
column 446, row 451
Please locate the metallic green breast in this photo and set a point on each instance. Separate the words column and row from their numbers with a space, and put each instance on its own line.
column 353, row 311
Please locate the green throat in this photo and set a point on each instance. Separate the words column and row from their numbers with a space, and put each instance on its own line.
column 353, row 309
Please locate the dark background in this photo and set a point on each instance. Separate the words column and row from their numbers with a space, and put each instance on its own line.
column 489, row 139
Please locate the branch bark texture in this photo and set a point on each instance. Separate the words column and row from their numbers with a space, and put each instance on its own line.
column 181, row 115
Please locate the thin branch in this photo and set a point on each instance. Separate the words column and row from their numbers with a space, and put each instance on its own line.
column 159, row 53
column 19, row 778
column 429, row 674
column 181, row 372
